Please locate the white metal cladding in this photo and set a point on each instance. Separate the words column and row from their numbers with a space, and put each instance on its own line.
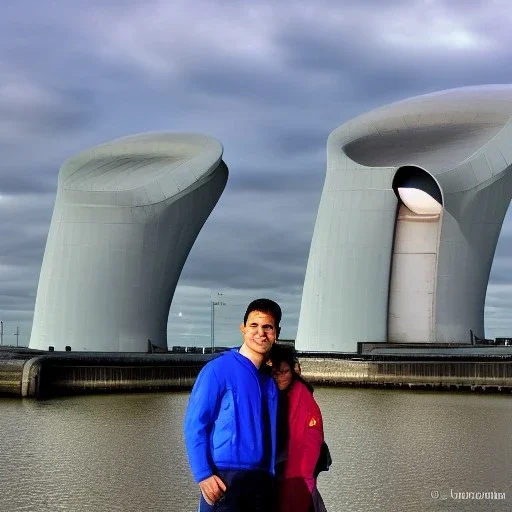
column 462, row 137
column 125, row 218
column 413, row 277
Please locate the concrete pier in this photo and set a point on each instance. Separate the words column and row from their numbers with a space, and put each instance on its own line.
column 37, row 374
column 10, row 376
column 453, row 373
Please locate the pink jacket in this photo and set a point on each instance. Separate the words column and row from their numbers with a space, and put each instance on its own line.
column 306, row 435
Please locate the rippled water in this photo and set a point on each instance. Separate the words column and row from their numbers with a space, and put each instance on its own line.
column 391, row 450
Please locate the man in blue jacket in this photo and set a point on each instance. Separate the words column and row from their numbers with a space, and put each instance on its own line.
column 230, row 423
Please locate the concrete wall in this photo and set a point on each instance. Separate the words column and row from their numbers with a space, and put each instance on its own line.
column 410, row 373
column 60, row 374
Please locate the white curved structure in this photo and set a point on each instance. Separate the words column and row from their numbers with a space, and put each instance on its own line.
column 408, row 270
column 126, row 215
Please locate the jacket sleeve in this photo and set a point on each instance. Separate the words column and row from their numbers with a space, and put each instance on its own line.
column 313, row 439
column 200, row 417
column 306, row 435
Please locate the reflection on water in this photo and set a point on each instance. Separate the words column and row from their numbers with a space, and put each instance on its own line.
column 391, row 450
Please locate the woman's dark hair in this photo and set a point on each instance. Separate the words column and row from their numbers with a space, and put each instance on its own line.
column 284, row 354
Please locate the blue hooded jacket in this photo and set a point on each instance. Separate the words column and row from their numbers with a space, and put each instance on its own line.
column 230, row 423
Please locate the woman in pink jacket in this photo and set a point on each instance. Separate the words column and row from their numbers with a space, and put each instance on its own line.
column 299, row 438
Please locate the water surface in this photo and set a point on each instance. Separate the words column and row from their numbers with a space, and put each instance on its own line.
column 392, row 450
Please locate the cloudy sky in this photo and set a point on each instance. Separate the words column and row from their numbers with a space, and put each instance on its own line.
column 270, row 80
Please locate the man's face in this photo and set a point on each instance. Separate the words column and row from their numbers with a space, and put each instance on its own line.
column 259, row 333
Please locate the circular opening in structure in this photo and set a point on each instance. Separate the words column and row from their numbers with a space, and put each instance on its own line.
column 418, row 190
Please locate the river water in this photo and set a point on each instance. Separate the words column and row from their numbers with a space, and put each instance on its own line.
column 392, row 451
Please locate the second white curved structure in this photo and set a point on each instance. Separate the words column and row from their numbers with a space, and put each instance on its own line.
column 125, row 218
column 382, row 266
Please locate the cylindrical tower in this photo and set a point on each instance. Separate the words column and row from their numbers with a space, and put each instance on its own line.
column 360, row 286
column 125, row 218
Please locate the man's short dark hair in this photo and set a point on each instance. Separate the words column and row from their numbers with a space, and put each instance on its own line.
column 267, row 306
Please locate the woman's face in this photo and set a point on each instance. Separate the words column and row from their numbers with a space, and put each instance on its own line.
column 282, row 375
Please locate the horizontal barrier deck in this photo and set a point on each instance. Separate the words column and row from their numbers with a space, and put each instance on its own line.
column 43, row 374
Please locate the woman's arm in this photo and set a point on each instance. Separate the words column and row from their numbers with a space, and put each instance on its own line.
column 311, row 443
column 306, row 435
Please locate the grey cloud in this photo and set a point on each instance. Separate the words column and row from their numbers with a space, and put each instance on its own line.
column 192, row 302
column 240, row 80
column 27, row 179
column 292, row 140
column 271, row 261
column 275, row 182
column 18, row 291
column 361, row 66
column 72, row 110
column 263, row 244
column 501, row 269
column 272, row 113
column 23, row 239
column 23, row 251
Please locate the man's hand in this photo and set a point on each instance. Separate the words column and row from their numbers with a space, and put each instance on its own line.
column 212, row 489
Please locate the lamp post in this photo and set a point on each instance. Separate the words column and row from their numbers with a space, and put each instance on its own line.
column 214, row 303
column 1, row 333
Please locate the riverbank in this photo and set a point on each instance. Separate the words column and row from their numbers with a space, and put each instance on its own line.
column 29, row 373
